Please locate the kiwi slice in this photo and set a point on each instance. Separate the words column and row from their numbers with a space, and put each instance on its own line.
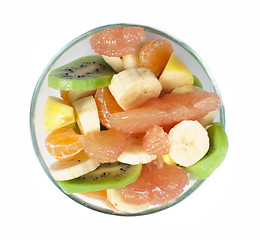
column 197, row 82
column 106, row 176
column 215, row 156
column 85, row 73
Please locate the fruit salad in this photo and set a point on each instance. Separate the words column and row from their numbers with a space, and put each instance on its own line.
column 132, row 126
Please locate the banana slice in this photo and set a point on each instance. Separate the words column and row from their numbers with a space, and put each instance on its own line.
column 167, row 159
column 134, row 152
column 132, row 60
column 115, row 62
column 187, row 88
column 67, row 170
column 87, row 115
column 134, row 86
column 76, row 95
column 208, row 119
column 116, row 199
column 189, row 142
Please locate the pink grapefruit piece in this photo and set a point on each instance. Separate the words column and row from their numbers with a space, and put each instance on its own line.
column 156, row 186
column 156, row 142
column 104, row 146
column 166, row 111
column 118, row 41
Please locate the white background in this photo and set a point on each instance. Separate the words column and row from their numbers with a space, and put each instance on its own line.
column 226, row 36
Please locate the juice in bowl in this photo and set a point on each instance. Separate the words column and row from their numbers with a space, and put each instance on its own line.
column 127, row 120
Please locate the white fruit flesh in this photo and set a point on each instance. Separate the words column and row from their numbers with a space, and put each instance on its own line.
column 175, row 74
column 134, row 86
column 187, row 88
column 87, row 115
column 115, row 62
column 76, row 95
column 189, row 142
column 134, row 152
column 67, row 170
column 57, row 114
column 116, row 199
column 208, row 119
column 131, row 60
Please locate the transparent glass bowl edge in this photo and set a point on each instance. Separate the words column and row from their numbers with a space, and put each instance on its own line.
column 45, row 72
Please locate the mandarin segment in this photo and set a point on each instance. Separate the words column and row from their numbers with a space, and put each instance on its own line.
column 106, row 105
column 63, row 143
column 155, row 54
column 101, row 196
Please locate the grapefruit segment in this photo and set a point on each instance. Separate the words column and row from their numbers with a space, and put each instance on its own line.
column 104, row 146
column 165, row 111
column 156, row 186
column 118, row 41
column 156, row 141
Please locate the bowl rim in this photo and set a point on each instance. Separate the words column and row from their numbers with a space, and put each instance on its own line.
column 46, row 71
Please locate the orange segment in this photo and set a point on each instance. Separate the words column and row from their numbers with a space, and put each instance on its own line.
column 155, row 54
column 101, row 196
column 106, row 105
column 63, row 143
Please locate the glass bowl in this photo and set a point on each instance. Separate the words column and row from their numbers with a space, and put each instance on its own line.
column 80, row 47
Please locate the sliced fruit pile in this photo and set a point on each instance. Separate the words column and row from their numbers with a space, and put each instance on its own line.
column 132, row 125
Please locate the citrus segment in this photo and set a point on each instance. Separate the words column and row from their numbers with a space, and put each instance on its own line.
column 104, row 146
column 99, row 195
column 155, row 54
column 157, row 186
column 165, row 111
column 118, row 41
column 156, row 141
column 63, row 143
column 106, row 105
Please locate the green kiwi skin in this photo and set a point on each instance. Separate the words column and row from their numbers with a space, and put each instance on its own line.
column 123, row 174
column 197, row 82
column 58, row 79
column 215, row 155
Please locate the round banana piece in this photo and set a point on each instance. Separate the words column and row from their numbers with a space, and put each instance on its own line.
column 87, row 114
column 116, row 199
column 66, row 170
column 189, row 142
